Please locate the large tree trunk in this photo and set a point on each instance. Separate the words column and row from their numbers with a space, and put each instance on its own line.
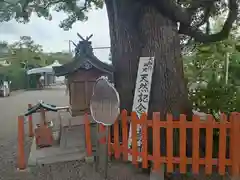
column 139, row 30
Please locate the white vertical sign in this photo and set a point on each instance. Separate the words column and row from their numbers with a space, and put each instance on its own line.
column 141, row 95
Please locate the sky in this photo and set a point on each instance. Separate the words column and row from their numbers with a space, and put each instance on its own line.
column 54, row 39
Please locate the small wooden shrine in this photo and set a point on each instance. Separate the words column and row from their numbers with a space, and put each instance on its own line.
column 81, row 74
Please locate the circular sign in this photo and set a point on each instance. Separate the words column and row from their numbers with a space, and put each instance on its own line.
column 104, row 104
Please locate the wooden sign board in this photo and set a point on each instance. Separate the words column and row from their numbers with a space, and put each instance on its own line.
column 142, row 95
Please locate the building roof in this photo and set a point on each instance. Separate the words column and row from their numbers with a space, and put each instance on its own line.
column 84, row 59
column 46, row 69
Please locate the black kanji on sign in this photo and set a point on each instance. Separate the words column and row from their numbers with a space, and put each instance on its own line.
column 144, row 78
column 145, row 69
column 142, row 98
column 148, row 65
column 143, row 88
column 141, row 108
column 150, row 61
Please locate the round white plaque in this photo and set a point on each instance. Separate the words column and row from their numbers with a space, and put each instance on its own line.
column 104, row 104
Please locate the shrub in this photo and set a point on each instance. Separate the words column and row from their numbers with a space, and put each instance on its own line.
column 16, row 75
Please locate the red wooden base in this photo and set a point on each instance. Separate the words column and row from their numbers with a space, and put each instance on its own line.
column 44, row 136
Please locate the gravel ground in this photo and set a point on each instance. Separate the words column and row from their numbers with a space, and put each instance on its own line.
column 76, row 170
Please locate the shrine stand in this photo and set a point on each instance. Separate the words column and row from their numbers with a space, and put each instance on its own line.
column 81, row 73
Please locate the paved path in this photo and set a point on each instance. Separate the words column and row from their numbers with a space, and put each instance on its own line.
column 16, row 104
column 10, row 108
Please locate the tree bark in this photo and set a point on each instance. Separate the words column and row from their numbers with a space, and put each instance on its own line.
column 136, row 30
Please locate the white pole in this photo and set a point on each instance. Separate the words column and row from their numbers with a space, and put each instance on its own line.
column 69, row 46
column 226, row 68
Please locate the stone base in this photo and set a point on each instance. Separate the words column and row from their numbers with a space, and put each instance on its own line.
column 71, row 146
column 77, row 112
column 89, row 159
column 72, row 137
column 53, row 154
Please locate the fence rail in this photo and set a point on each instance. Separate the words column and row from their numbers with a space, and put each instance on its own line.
column 228, row 127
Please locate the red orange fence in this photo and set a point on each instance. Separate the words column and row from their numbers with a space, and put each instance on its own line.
column 21, row 161
column 231, row 124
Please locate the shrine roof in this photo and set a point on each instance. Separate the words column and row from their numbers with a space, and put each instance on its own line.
column 84, row 59
column 82, row 62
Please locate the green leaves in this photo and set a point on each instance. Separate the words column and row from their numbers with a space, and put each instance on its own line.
column 76, row 12
column 66, row 24
column 216, row 97
column 24, row 54
column 98, row 3
column 205, row 69
column 22, row 10
column 26, row 51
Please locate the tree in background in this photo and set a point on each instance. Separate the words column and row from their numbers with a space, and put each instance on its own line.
column 62, row 57
column 144, row 28
column 23, row 55
column 211, row 72
column 25, row 51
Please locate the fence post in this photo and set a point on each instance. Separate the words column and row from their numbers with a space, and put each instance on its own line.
column 101, row 130
column 21, row 154
column 116, row 140
column 235, row 158
column 88, row 135
column 158, row 170
column 195, row 141
column 30, row 123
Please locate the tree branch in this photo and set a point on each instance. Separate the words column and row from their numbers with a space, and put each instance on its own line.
column 204, row 37
column 52, row 3
column 3, row 1
column 177, row 13
column 206, row 15
column 172, row 10
column 184, row 16
column 9, row 3
column 196, row 4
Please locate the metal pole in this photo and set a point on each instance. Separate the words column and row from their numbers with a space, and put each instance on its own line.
column 69, row 46
column 106, row 163
column 106, row 47
column 226, row 68
column 96, row 158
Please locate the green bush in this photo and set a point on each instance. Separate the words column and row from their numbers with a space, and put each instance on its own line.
column 216, row 97
column 16, row 75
